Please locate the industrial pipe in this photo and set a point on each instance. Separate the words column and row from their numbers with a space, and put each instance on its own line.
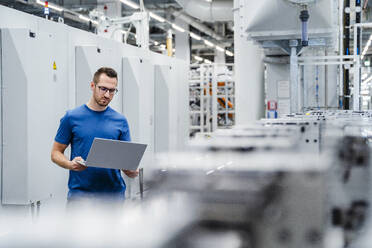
column 304, row 17
column 169, row 43
column 346, row 102
column 217, row 10
column 193, row 22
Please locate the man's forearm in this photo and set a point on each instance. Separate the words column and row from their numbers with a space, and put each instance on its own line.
column 61, row 160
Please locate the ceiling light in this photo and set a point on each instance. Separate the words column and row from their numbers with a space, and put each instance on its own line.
column 196, row 37
column 228, row 53
column 208, row 43
column 55, row 7
column 178, row 28
column 156, row 43
column 207, row 61
column 130, row 4
column 198, row 58
column 220, row 49
column 156, row 17
column 367, row 80
column 84, row 18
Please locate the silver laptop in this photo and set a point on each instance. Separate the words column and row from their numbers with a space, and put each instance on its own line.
column 114, row 154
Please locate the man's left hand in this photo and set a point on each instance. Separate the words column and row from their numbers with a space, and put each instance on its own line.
column 130, row 173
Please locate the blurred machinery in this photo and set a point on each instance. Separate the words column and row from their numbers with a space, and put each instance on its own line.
column 299, row 181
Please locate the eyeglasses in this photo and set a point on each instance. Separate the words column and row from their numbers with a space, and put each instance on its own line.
column 103, row 90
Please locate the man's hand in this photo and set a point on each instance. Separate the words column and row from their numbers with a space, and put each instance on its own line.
column 130, row 173
column 75, row 166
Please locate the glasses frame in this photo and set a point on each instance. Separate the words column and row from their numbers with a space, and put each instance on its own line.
column 102, row 91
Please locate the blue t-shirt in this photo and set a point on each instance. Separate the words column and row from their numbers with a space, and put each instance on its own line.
column 79, row 127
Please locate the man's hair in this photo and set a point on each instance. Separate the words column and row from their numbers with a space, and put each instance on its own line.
column 104, row 70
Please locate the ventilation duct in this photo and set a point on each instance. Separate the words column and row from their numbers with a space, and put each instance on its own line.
column 214, row 11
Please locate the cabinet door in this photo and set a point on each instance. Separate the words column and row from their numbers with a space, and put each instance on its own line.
column 34, row 97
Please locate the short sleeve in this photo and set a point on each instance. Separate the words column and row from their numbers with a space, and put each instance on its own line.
column 64, row 132
column 125, row 134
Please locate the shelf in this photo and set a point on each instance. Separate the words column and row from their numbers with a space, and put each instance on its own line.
column 226, row 112
column 205, row 80
column 223, row 95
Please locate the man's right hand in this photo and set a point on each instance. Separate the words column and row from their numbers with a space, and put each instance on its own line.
column 75, row 166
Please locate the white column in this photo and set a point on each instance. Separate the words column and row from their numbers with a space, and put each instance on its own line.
column 182, row 43
column 294, row 80
column 249, row 74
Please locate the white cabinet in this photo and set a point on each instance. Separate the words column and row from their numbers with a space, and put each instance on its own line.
column 34, row 97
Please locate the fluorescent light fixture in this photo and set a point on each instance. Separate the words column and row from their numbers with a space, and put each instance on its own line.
column 178, row 28
column 156, row 17
column 194, row 36
column 156, row 43
column 84, row 18
column 208, row 43
column 124, row 32
column 55, row 7
column 162, row 47
column 50, row 5
column 220, row 49
column 198, row 58
column 367, row 80
column 207, row 61
column 228, row 53
column 365, row 50
column 94, row 22
column 130, row 4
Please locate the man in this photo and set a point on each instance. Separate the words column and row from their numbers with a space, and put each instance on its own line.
column 79, row 127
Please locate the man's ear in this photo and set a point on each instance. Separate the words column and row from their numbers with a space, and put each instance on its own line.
column 92, row 85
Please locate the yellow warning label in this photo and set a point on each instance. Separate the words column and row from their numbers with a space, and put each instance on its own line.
column 54, row 66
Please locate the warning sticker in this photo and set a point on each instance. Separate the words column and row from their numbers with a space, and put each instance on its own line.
column 54, row 66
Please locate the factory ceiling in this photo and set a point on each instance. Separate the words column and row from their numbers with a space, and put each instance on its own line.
column 220, row 33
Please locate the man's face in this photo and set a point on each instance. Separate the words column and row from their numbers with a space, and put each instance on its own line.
column 105, row 89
